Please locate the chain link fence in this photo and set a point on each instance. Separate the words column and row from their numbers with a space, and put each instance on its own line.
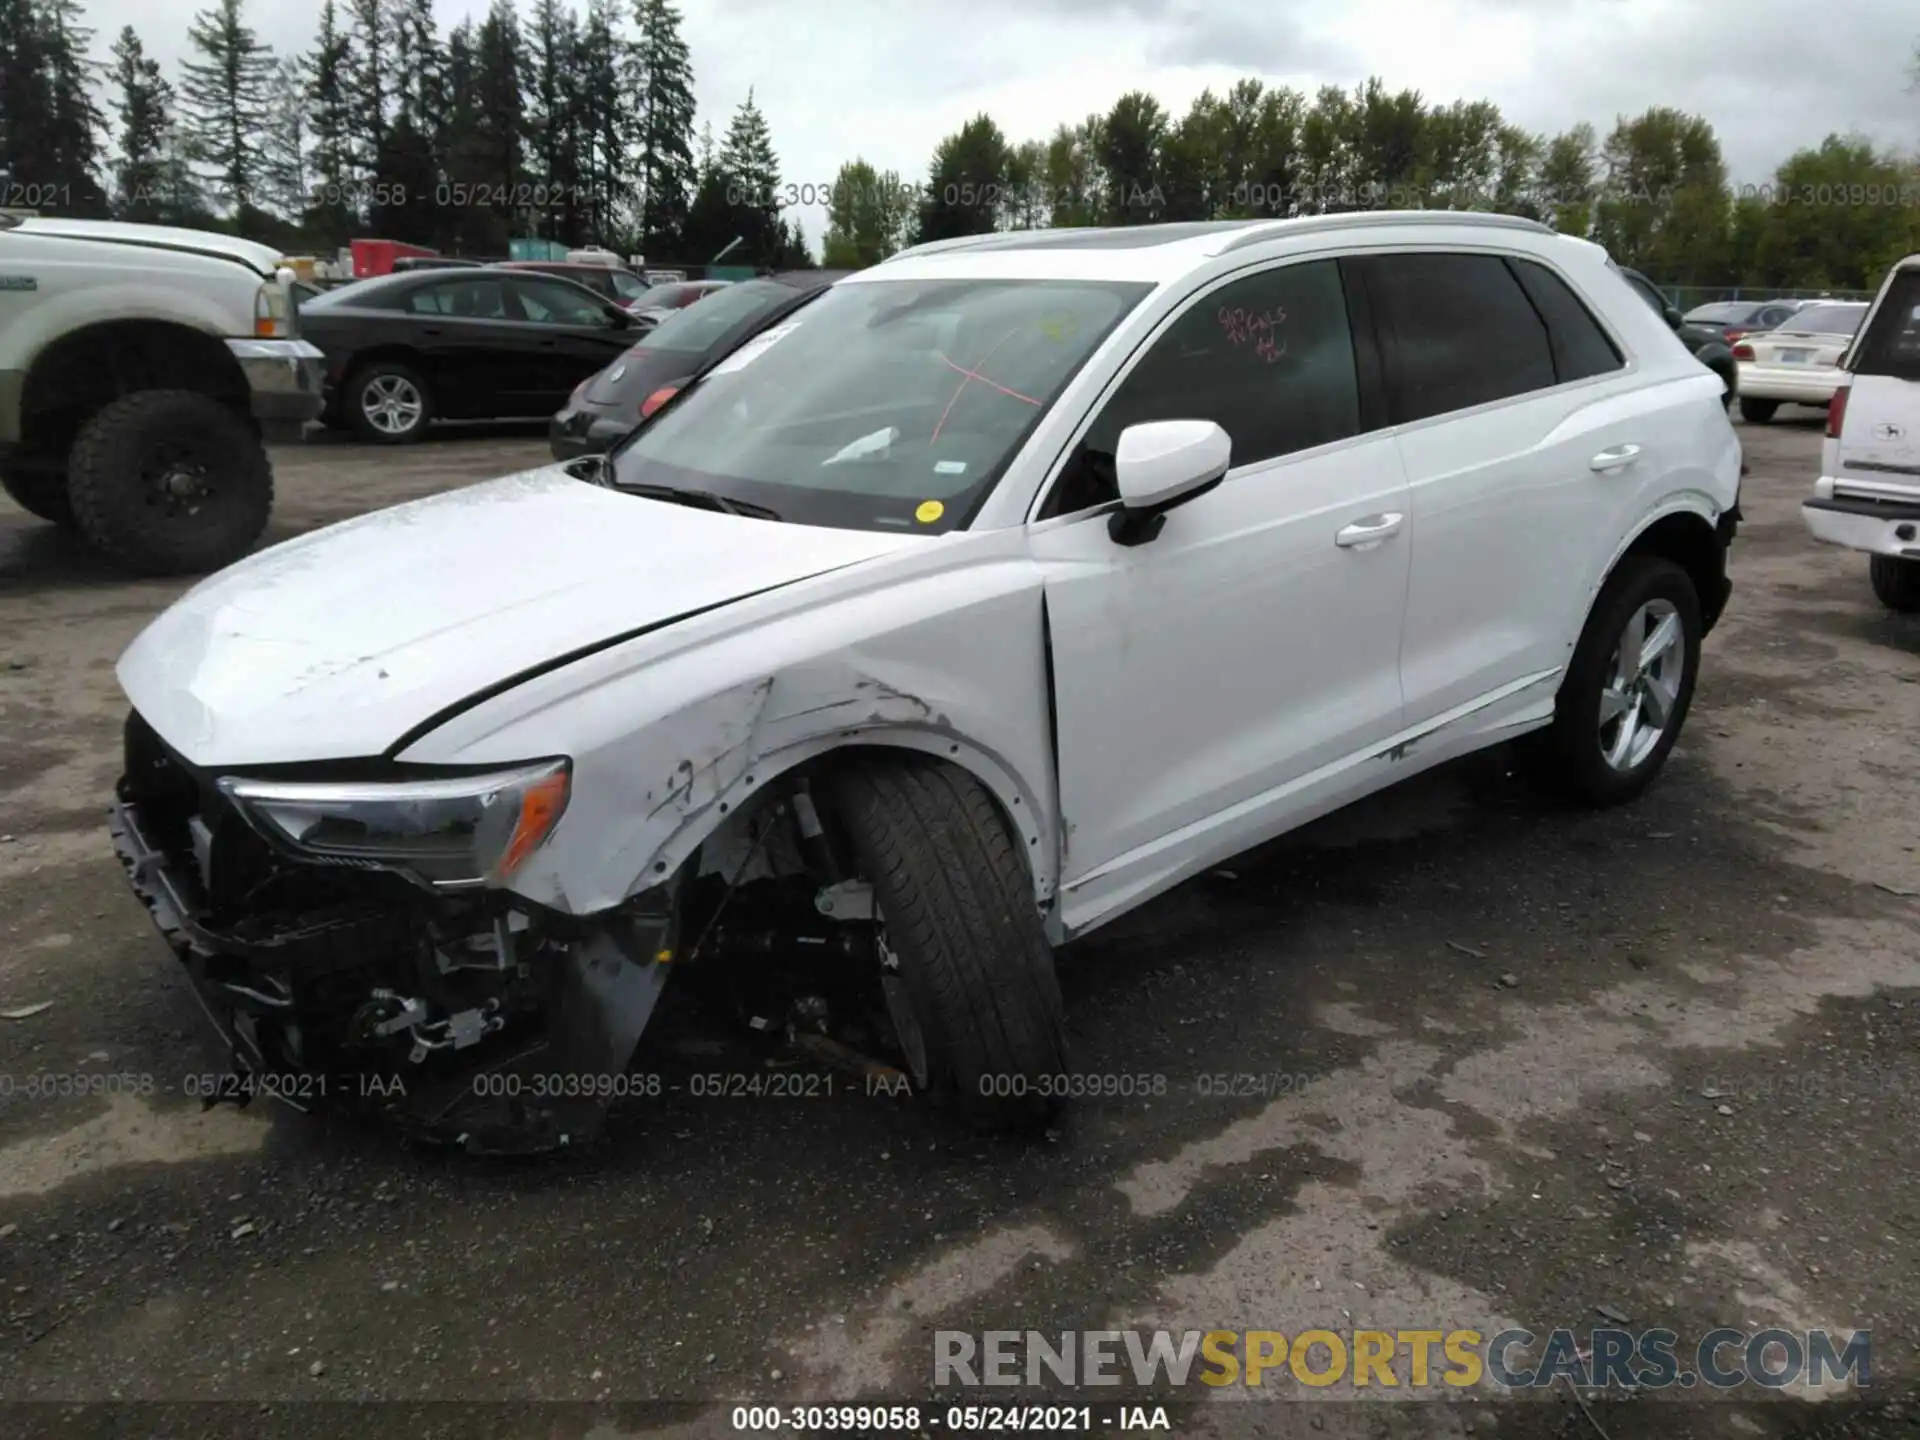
column 1686, row 297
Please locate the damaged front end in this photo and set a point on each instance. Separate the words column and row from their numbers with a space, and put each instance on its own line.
column 350, row 942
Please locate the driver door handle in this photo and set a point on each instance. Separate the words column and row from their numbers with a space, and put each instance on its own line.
column 1369, row 531
column 1617, row 458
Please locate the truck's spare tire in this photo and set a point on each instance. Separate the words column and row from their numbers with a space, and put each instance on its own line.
column 44, row 496
column 170, row 482
column 958, row 905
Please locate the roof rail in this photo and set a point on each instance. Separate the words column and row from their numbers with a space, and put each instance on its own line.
column 958, row 242
column 1362, row 219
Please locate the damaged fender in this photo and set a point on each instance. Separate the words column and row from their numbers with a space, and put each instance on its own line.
column 674, row 733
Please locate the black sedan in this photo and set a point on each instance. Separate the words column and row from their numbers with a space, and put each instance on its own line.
column 470, row 344
column 609, row 404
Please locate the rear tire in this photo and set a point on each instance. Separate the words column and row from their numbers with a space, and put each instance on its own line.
column 387, row 403
column 1896, row 582
column 1589, row 753
column 958, row 906
column 41, row 495
column 170, row 482
column 1757, row 412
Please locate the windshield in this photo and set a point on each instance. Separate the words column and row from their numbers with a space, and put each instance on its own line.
column 628, row 287
column 697, row 327
column 1825, row 320
column 880, row 405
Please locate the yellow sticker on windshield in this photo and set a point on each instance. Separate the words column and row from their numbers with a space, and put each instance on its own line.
column 929, row 511
column 1059, row 327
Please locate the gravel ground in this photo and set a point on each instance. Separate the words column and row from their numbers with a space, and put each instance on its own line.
column 1517, row 1063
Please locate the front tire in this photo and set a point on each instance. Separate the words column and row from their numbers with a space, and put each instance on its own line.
column 1627, row 690
column 170, row 482
column 388, row 403
column 987, row 1032
column 1757, row 412
column 1896, row 582
column 43, row 496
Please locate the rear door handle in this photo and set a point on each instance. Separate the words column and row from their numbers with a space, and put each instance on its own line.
column 1370, row 531
column 1618, row 458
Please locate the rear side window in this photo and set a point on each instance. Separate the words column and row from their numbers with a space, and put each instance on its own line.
column 1459, row 332
column 1580, row 347
column 1892, row 346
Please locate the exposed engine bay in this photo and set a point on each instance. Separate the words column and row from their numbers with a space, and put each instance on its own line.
column 471, row 1017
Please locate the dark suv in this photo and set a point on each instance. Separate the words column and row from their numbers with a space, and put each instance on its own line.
column 1708, row 347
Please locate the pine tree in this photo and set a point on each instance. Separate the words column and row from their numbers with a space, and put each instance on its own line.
column 25, row 101
column 225, row 95
column 463, row 227
column 499, row 125
column 74, row 118
column 604, row 118
column 419, row 65
column 283, row 154
column 368, row 80
column 408, row 160
column 142, row 105
column 663, row 99
column 553, row 40
column 752, row 173
column 328, row 66
column 184, row 199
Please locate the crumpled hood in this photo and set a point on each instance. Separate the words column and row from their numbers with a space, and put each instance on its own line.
column 335, row 644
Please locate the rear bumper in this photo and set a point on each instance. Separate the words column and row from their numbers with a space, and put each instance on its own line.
column 1794, row 385
column 285, row 379
column 1878, row 527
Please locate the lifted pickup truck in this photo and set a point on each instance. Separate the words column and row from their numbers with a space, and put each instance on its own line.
column 143, row 370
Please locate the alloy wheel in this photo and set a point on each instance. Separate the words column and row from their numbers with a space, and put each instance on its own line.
column 392, row 404
column 1643, row 685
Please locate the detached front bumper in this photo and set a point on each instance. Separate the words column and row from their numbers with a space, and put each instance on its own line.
column 286, row 380
column 266, row 992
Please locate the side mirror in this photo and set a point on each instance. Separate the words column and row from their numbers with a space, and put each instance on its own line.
column 1673, row 317
column 1162, row 464
column 620, row 319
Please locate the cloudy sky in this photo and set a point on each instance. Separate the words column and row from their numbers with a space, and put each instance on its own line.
column 886, row 79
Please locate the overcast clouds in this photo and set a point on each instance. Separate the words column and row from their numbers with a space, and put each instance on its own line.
column 888, row 78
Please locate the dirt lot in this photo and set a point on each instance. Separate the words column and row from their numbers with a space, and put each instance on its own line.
column 1518, row 1063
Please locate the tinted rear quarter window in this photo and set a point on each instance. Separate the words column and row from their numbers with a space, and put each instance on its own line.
column 1892, row 346
column 1459, row 332
column 1581, row 349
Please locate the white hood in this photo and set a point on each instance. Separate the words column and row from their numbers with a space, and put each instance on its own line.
column 334, row 645
column 263, row 259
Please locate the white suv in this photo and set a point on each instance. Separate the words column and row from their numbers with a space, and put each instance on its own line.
column 1868, row 493
column 1014, row 581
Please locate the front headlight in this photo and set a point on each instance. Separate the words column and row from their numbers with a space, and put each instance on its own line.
column 273, row 311
column 452, row 834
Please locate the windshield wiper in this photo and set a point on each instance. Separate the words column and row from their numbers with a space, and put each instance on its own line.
column 685, row 495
